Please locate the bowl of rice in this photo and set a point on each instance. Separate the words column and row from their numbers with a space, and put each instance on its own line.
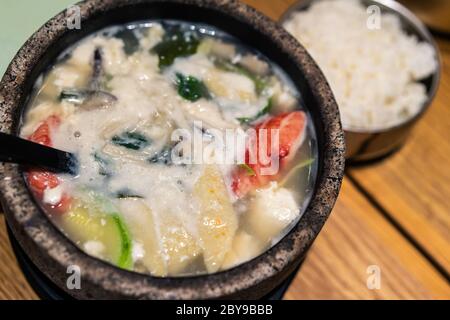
column 381, row 62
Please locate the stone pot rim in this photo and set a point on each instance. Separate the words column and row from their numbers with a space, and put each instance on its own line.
column 46, row 245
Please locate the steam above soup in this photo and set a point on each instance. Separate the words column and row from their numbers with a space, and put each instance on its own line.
column 195, row 155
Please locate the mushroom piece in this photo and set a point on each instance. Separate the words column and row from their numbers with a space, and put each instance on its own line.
column 92, row 97
column 88, row 99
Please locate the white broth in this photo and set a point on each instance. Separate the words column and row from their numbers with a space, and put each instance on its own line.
column 149, row 109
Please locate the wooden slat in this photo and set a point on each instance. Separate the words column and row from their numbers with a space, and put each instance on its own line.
column 272, row 8
column 12, row 282
column 355, row 237
column 414, row 184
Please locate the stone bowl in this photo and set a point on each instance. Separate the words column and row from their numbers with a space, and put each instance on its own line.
column 53, row 253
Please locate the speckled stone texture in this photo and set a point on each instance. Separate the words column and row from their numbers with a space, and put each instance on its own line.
column 52, row 252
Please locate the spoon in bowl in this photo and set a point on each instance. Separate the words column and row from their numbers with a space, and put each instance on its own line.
column 17, row 150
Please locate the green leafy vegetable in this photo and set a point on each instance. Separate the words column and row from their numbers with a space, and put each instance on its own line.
column 260, row 82
column 131, row 140
column 130, row 41
column 175, row 44
column 262, row 112
column 190, row 88
column 163, row 157
column 104, row 165
column 127, row 193
column 247, row 168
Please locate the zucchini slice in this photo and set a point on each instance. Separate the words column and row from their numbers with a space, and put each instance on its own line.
column 87, row 224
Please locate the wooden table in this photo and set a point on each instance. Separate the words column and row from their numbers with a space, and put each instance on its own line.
column 394, row 215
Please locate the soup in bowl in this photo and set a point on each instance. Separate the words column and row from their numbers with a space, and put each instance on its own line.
column 195, row 152
column 208, row 158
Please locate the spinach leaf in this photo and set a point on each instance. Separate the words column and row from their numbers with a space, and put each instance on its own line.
column 260, row 82
column 190, row 88
column 127, row 193
column 131, row 140
column 175, row 44
column 163, row 157
column 104, row 165
column 130, row 41
column 262, row 112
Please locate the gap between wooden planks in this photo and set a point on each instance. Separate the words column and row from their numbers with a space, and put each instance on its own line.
column 413, row 185
column 355, row 237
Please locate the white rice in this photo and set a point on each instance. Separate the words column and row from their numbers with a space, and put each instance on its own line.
column 373, row 73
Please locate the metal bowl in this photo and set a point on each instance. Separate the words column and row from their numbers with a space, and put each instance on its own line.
column 367, row 145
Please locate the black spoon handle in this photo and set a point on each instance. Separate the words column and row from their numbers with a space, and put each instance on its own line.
column 16, row 150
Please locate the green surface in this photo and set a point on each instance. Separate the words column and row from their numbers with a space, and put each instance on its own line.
column 19, row 19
